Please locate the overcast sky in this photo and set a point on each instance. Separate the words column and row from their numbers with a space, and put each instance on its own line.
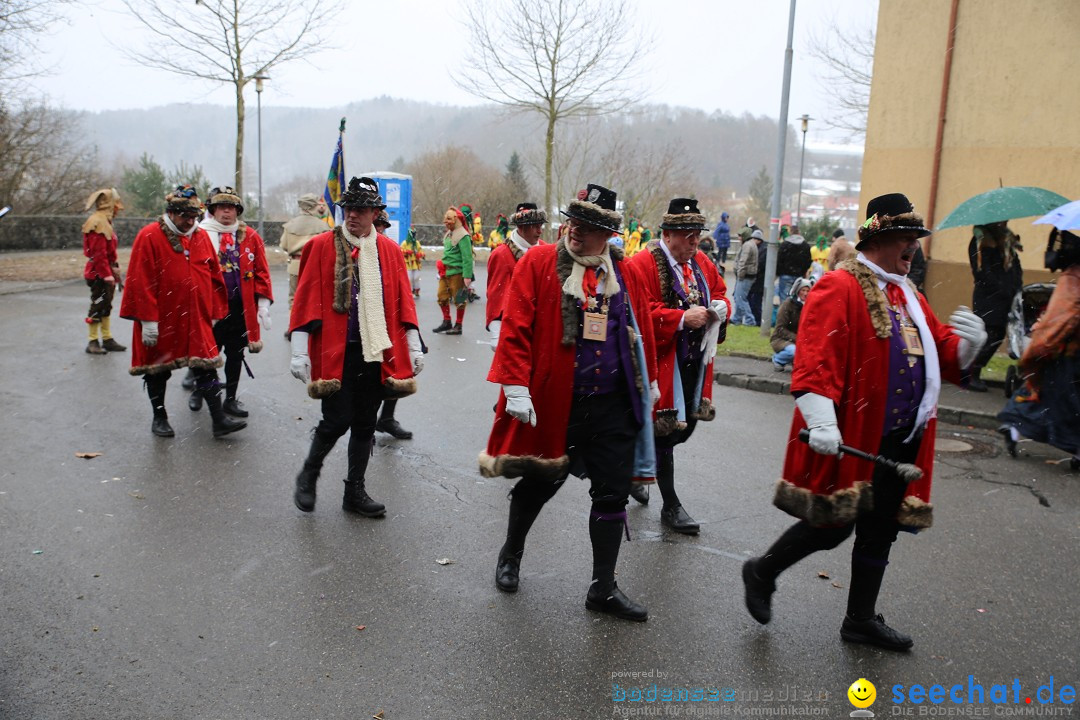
column 708, row 54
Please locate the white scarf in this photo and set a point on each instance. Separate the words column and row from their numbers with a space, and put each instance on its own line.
column 172, row 226
column 520, row 241
column 370, row 313
column 214, row 229
column 573, row 284
column 932, row 389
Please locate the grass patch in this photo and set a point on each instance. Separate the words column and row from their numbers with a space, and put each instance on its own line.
column 742, row 340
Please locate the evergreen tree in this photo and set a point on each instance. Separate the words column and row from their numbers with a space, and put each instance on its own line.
column 761, row 190
column 515, row 178
column 144, row 188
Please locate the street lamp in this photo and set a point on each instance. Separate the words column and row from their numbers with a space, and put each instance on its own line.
column 802, row 161
column 258, row 94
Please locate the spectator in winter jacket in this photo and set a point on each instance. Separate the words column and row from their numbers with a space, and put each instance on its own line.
column 840, row 250
column 722, row 237
column 787, row 325
column 746, row 269
column 995, row 267
column 793, row 261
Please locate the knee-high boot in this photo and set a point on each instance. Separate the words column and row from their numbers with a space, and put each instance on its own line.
column 304, row 495
column 356, row 500
column 605, row 531
column 155, row 388
column 525, row 507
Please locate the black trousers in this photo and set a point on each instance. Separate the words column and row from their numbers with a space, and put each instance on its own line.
column 995, row 334
column 231, row 335
column 665, row 444
column 875, row 530
column 354, row 408
column 600, row 438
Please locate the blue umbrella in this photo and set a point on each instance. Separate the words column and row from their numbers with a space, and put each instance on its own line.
column 1066, row 217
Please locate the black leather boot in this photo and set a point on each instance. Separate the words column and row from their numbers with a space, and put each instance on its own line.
column 976, row 383
column 194, row 401
column 759, row 592
column 356, row 500
column 672, row 515
column 188, row 383
column 387, row 424
column 524, row 508
column 640, row 492
column 304, row 495
column 155, row 389
column 235, row 408
column 455, row 330
column 223, row 424
column 862, row 624
column 443, row 327
column 604, row 594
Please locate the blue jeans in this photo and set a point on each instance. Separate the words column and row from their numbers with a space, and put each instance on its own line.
column 783, row 290
column 785, row 356
column 743, row 315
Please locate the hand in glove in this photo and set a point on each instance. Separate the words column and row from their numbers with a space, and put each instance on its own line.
column 416, row 350
column 300, row 365
column 718, row 309
column 264, row 313
column 496, row 328
column 820, row 416
column 971, row 330
column 519, row 403
column 149, row 333
column 654, row 392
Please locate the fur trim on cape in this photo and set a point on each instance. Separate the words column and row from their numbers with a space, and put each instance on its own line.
column 195, row 363
column 514, row 249
column 399, row 387
column 840, row 508
column 876, row 302
column 706, row 412
column 319, row 389
column 667, row 279
column 515, row 466
column 343, row 273
column 564, row 264
column 667, row 422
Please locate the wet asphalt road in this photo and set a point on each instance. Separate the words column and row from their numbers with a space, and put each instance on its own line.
column 176, row 579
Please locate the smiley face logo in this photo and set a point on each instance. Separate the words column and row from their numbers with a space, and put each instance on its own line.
column 862, row 693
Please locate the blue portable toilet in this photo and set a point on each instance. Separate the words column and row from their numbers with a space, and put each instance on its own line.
column 396, row 191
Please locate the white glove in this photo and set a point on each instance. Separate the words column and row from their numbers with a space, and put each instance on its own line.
column 971, row 330
column 654, row 392
column 519, row 403
column 300, row 365
column 264, row 313
column 496, row 327
column 149, row 333
column 718, row 309
column 820, row 416
column 416, row 350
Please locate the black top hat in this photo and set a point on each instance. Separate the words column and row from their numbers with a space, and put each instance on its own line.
column 528, row 214
column 890, row 213
column 362, row 193
column 683, row 214
column 224, row 196
column 596, row 208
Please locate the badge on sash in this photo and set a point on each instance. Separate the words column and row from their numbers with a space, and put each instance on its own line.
column 910, row 333
column 595, row 327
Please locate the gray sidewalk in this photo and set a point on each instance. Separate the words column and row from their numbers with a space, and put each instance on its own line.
column 956, row 406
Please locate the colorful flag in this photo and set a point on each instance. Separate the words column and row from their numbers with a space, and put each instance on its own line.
column 335, row 181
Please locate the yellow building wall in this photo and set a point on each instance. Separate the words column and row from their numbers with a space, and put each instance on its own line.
column 1012, row 117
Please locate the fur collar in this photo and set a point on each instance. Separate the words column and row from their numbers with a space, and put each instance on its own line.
column 876, row 302
column 516, row 251
column 667, row 281
column 175, row 240
column 344, row 270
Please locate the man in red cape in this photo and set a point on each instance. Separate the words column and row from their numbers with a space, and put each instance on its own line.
column 574, row 361
column 242, row 257
column 354, row 339
column 689, row 312
column 528, row 224
column 175, row 294
column 868, row 371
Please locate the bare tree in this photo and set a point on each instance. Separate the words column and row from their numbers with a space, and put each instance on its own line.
column 848, row 59
column 549, row 57
column 229, row 41
column 22, row 22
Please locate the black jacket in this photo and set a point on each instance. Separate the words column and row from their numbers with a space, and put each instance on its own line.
column 995, row 286
column 794, row 258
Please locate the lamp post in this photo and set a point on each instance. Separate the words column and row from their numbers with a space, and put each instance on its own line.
column 258, row 94
column 802, row 161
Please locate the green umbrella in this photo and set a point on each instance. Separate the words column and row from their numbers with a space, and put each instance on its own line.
column 1000, row 204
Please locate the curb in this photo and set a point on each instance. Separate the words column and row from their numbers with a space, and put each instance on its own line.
column 11, row 287
column 776, row 386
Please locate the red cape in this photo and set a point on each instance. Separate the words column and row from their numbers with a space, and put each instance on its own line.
column 500, row 266
column 665, row 322
column 182, row 292
column 531, row 353
column 843, row 356
column 321, row 307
